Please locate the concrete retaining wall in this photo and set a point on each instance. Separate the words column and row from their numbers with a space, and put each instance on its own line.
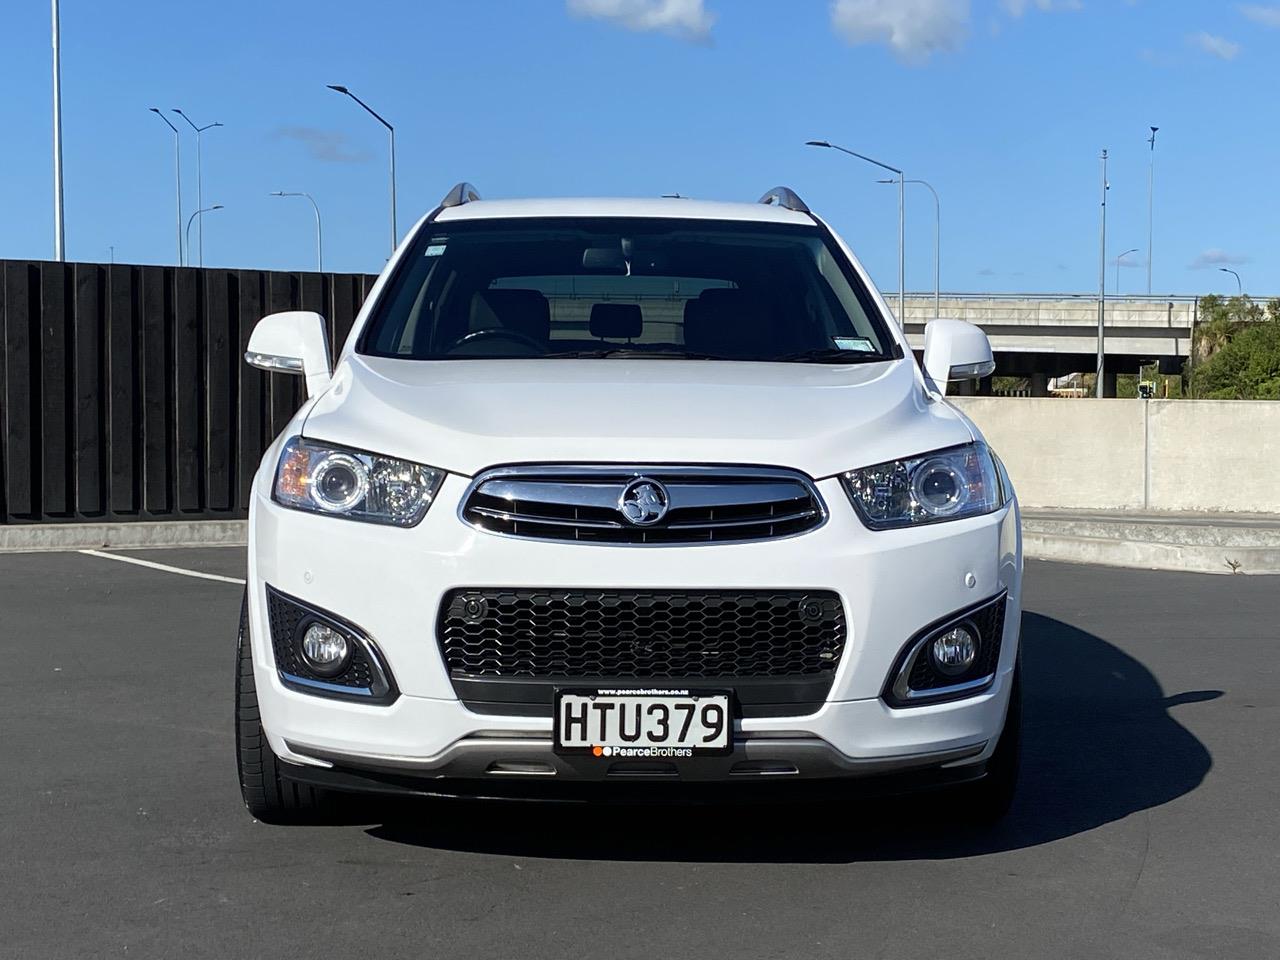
column 1203, row 456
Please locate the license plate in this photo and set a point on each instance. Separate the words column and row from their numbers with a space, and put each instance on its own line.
column 643, row 724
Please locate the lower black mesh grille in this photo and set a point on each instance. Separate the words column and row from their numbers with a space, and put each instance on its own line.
column 285, row 617
column 640, row 634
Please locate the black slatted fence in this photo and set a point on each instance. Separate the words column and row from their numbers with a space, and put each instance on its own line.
column 124, row 394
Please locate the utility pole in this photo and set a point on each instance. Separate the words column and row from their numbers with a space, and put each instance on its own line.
column 1102, row 280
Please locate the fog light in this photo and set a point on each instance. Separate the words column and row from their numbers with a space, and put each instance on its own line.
column 953, row 653
column 325, row 650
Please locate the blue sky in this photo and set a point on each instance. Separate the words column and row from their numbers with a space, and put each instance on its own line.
column 1003, row 105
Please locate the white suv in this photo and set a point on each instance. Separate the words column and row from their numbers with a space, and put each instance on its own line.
column 602, row 495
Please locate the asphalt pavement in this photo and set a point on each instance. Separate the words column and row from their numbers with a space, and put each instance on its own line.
column 1145, row 826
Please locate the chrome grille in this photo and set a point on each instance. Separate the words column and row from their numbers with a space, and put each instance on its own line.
column 704, row 504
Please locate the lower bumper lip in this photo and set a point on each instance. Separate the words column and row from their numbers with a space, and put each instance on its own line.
column 755, row 758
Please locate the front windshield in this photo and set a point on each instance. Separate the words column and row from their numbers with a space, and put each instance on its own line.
column 637, row 287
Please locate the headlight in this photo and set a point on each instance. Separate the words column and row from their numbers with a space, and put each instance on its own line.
column 947, row 485
column 358, row 486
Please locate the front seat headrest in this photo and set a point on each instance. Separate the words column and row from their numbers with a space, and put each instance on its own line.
column 522, row 311
column 616, row 321
column 729, row 323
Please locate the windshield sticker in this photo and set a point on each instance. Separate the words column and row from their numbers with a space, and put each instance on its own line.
column 435, row 250
column 860, row 344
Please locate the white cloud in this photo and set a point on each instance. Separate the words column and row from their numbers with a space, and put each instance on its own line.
column 912, row 29
column 1129, row 262
column 328, row 145
column 1016, row 8
column 1264, row 15
column 1215, row 46
column 1217, row 258
column 686, row 19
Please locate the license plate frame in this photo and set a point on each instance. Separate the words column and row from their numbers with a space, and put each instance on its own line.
column 643, row 748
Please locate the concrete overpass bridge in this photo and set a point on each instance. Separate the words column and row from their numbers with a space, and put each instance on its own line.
column 1040, row 336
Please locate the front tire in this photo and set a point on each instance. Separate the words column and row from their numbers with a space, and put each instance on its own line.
column 269, row 797
column 986, row 801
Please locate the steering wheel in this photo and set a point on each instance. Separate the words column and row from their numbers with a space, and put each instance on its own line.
column 496, row 333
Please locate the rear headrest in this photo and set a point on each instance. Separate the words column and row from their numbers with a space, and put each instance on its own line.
column 729, row 323
column 616, row 321
column 524, row 311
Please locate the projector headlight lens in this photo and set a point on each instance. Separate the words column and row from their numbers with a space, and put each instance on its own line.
column 946, row 485
column 323, row 478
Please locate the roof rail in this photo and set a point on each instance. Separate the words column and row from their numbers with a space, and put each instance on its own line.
column 785, row 197
column 460, row 194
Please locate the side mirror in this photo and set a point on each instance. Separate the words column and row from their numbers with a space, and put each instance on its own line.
column 955, row 350
column 292, row 342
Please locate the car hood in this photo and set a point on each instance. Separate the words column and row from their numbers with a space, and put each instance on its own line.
column 466, row 415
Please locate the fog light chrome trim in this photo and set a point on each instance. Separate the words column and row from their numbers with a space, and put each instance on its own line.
column 898, row 692
column 933, row 694
column 328, row 687
column 383, row 690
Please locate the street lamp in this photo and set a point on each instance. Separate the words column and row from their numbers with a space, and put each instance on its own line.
column 199, row 180
column 1102, row 282
column 1118, row 259
column 392, row 131
column 319, row 243
column 177, row 173
column 1151, row 191
column 59, row 237
column 902, row 199
column 216, row 206
column 1239, row 285
column 937, row 243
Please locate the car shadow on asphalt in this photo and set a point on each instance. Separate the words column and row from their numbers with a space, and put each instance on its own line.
column 1099, row 743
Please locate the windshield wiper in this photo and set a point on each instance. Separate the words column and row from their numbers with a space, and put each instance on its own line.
column 830, row 355
column 632, row 353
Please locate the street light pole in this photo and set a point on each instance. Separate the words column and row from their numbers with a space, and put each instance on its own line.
column 1118, row 259
column 216, row 206
column 937, row 244
column 1239, row 285
column 177, row 173
column 1102, row 281
column 902, row 206
column 199, row 181
column 59, row 236
column 316, row 207
column 390, row 130
column 1151, row 191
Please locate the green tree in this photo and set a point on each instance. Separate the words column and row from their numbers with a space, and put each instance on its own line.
column 1237, row 350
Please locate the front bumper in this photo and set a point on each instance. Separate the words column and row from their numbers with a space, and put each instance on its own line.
column 390, row 582
column 776, row 770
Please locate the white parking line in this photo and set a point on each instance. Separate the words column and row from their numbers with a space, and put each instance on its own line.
column 163, row 566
